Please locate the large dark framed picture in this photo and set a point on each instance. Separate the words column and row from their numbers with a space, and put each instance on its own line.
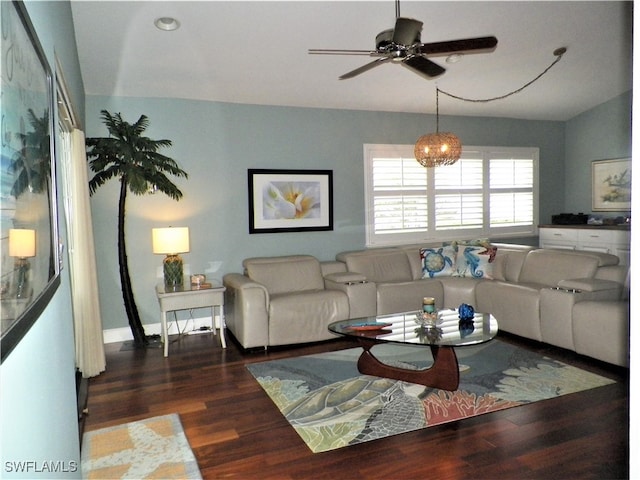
column 611, row 188
column 290, row 200
column 29, row 257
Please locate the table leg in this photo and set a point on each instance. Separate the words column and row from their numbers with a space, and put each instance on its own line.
column 164, row 333
column 223, row 340
column 443, row 374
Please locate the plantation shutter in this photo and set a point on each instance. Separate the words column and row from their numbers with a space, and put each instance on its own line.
column 489, row 192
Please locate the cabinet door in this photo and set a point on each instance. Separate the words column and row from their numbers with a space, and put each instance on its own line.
column 591, row 247
column 565, row 238
column 595, row 237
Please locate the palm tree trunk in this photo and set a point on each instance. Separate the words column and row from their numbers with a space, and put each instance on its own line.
column 139, row 336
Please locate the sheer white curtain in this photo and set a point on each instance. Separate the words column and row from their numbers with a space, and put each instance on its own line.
column 90, row 357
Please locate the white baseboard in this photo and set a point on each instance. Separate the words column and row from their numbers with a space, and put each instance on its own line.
column 190, row 325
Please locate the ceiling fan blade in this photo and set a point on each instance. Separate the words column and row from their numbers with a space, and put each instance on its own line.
column 407, row 31
column 468, row 45
column 364, row 68
column 329, row 51
column 423, row 66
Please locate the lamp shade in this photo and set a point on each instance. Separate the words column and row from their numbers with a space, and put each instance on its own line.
column 22, row 242
column 435, row 149
column 170, row 240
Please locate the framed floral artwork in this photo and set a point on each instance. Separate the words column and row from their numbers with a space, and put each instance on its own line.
column 611, row 185
column 290, row 200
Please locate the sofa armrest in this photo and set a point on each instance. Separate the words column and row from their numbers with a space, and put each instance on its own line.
column 598, row 289
column 557, row 305
column 361, row 293
column 601, row 330
column 247, row 310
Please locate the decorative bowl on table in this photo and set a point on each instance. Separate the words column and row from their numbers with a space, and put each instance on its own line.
column 428, row 319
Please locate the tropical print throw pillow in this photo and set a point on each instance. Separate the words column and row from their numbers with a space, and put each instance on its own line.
column 438, row 261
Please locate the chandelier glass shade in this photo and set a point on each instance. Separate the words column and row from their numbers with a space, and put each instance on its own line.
column 437, row 149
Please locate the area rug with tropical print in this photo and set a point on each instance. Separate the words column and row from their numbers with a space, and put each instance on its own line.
column 331, row 405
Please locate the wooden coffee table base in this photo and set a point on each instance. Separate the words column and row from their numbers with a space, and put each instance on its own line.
column 443, row 374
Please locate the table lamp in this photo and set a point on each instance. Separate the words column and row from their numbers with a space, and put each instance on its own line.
column 171, row 241
column 22, row 245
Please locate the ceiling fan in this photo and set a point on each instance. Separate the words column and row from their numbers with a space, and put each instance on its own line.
column 402, row 44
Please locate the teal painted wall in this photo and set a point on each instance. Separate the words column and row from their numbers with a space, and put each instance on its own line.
column 37, row 380
column 217, row 142
column 600, row 133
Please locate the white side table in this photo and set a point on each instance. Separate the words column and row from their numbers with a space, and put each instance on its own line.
column 188, row 298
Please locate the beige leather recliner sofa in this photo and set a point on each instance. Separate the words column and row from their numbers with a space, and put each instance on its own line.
column 282, row 301
column 571, row 299
column 546, row 295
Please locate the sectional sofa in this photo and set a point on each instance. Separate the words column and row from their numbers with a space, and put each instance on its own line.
column 576, row 300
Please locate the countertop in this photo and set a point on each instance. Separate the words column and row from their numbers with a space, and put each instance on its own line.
column 623, row 226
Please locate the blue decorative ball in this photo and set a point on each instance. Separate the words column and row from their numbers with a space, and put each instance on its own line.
column 466, row 312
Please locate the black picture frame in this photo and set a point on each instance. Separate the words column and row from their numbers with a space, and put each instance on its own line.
column 28, row 198
column 290, row 200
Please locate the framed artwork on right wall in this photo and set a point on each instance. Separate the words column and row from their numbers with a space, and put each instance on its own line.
column 611, row 185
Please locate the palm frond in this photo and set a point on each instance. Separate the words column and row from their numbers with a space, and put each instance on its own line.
column 133, row 157
column 141, row 125
column 101, row 178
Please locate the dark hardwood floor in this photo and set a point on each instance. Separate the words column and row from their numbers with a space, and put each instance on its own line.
column 237, row 432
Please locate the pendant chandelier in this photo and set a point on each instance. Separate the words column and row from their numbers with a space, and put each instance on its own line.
column 445, row 148
column 440, row 148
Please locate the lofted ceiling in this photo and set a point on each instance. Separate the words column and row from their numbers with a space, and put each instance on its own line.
column 255, row 52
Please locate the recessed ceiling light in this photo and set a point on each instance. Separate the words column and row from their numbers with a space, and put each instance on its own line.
column 167, row 23
column 454, row 58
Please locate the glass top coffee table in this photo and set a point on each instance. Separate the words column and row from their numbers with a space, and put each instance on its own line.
column 403, row 328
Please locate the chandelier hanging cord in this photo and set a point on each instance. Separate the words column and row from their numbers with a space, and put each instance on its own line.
column 558, row 53
column 437, row 110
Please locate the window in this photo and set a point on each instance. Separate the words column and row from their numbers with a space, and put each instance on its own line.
column 490, row 192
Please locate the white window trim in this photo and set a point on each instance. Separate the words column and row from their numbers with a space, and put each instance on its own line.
column 432, row 236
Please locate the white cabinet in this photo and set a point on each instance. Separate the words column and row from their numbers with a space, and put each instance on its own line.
column 566, row 238
column 596, row 240
column 614, row 241
column 621, row 245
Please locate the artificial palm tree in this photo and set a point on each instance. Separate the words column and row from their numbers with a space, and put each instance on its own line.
column 31, row 164
column 135, row 161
